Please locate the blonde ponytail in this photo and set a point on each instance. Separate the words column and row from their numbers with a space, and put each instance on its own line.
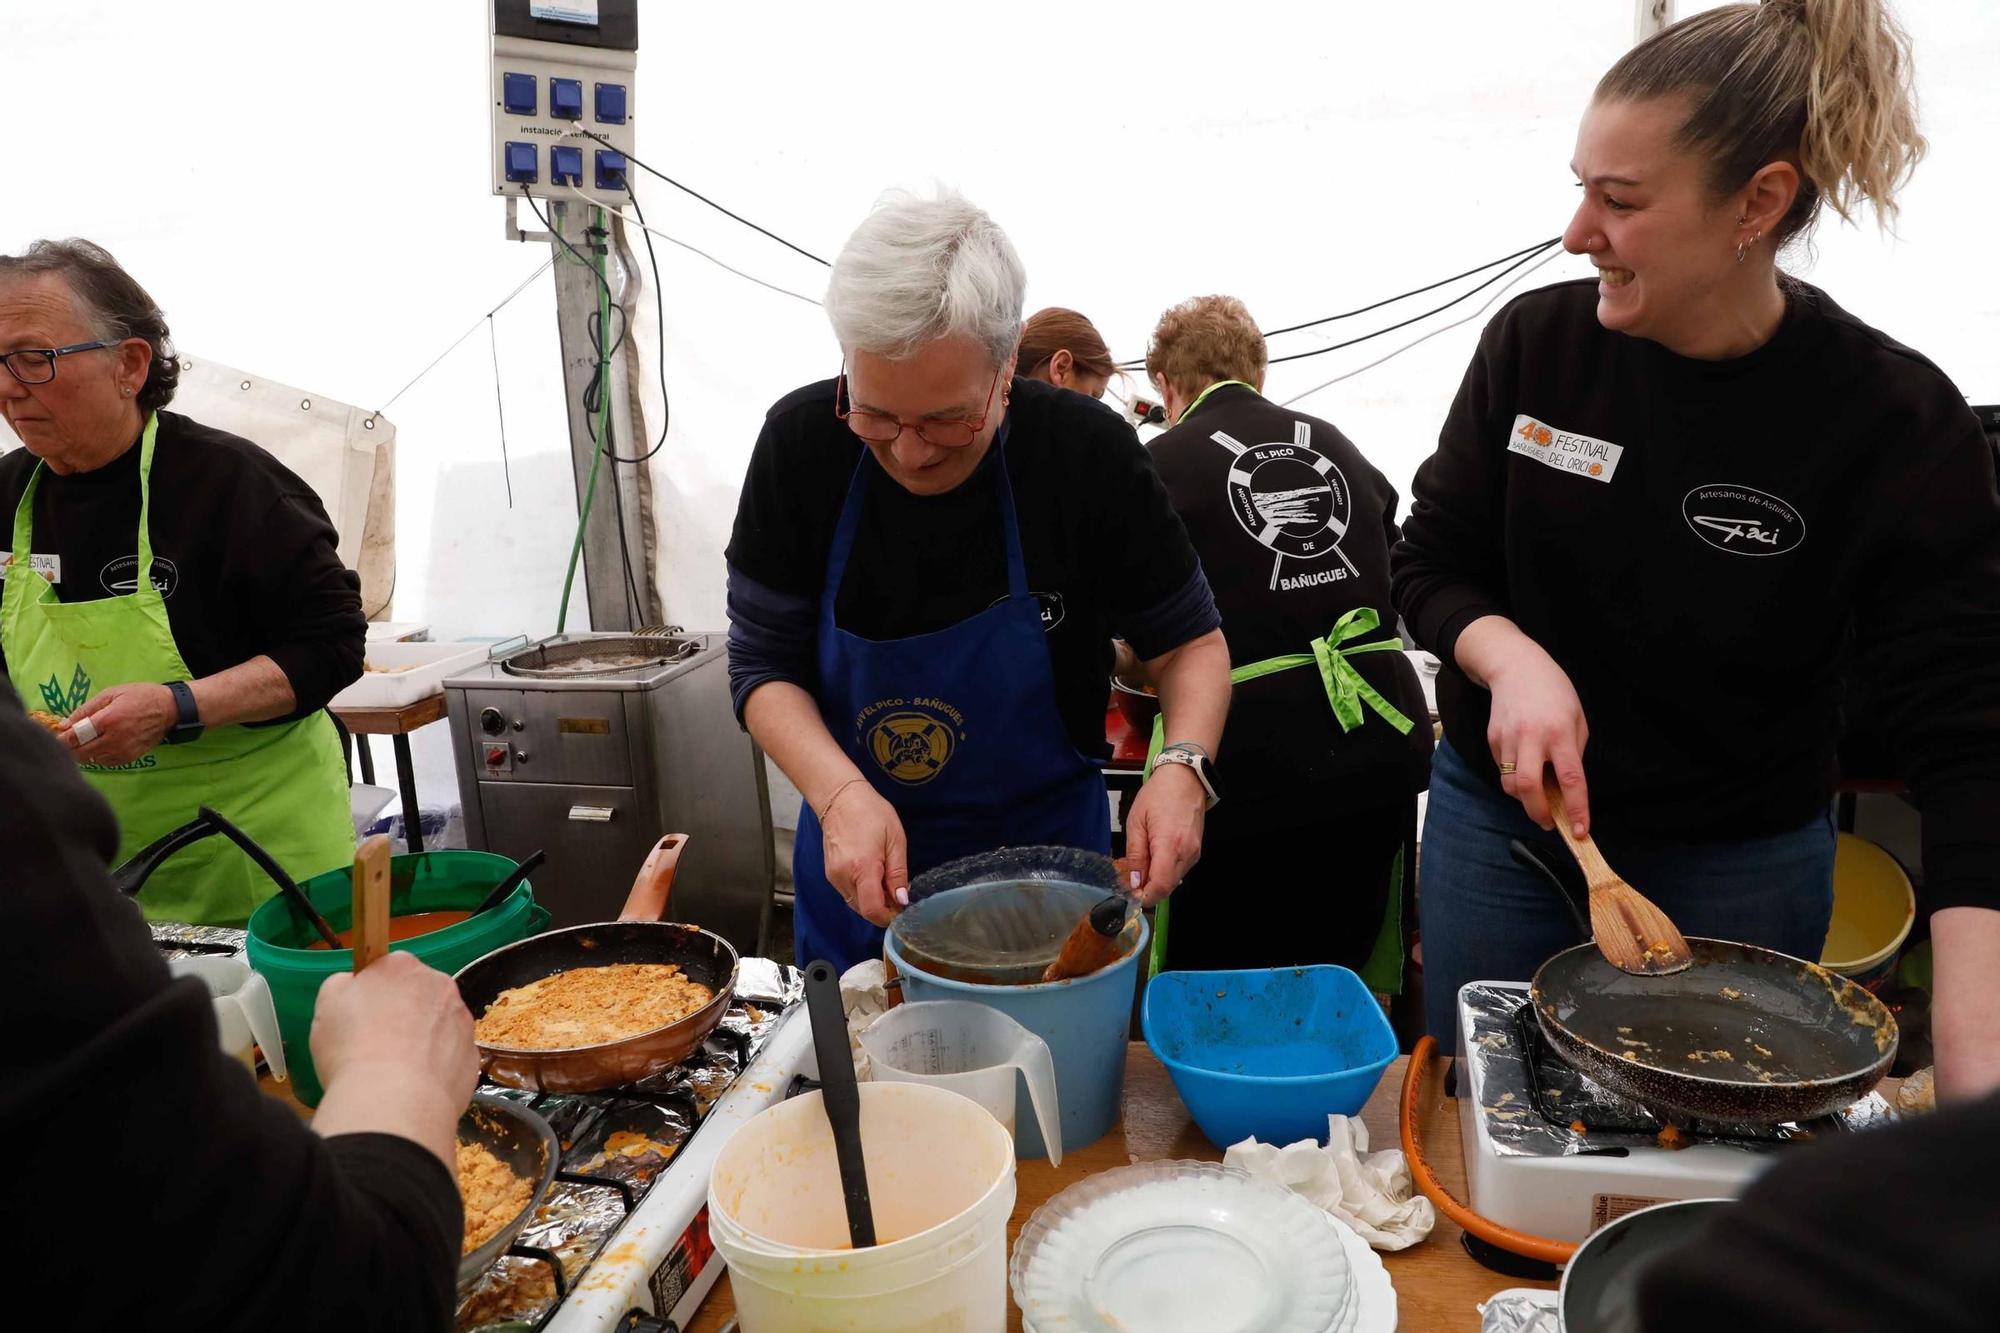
column 1824, row 84
column 1860, row 141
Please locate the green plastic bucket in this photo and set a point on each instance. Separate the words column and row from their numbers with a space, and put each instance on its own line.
column 426, row 882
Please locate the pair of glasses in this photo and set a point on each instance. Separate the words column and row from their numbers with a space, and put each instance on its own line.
column 881, row 428
column 37, row 365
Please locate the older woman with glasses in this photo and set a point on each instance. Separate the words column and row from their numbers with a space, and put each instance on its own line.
column 174, row 606
column 930, row 559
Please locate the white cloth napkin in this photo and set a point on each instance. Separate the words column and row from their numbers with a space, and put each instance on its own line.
column 864, row 997
column 1371, row 1192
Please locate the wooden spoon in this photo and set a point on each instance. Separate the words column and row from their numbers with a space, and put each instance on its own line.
column 1632, row 934
column 371, row 900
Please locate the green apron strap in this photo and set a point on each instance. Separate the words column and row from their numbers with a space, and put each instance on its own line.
column 146, row 500
column 1202, row 397
column 1346, row 691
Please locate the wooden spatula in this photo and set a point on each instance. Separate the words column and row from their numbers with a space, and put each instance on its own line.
column 1632, row 934
column 1092, row 943
column 371, row 901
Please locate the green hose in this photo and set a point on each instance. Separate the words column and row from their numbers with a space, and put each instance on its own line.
column 603, row 425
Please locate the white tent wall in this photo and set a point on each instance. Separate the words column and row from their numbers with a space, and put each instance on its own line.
column 305, row 191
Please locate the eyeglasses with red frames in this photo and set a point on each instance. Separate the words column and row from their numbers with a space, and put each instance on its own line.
column 881, row 428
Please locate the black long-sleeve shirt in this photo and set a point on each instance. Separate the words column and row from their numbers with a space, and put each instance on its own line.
column 1293, row 526
column 243, row 553
column 150, row 1182
column 1706, row 547
column 1894, row 1228
column 1104, row 550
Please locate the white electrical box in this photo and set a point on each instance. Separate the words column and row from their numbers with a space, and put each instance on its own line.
column 563, row 71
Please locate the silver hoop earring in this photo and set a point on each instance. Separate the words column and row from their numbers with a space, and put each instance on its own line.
column 1742, row 246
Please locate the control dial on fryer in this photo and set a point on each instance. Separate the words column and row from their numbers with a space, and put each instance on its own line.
column 491, row 722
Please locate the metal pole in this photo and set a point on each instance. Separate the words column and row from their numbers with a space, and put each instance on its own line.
column 619, row 486
column 1653, row 15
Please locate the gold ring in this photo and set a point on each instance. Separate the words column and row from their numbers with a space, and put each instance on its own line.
column 1506, row 769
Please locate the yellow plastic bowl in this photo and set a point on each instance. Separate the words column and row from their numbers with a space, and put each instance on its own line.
column 1873, row 909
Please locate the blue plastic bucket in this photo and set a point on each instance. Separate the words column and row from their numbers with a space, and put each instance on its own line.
column 1086, row 1023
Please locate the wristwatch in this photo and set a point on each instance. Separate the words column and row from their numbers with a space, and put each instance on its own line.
column 1196, row 758
column 187, row 727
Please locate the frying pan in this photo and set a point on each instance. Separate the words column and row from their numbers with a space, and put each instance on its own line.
column 638, row 936
column 527, row 1146
column 1744, row 1036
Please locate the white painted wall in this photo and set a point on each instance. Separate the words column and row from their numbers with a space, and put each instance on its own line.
column 304, row 189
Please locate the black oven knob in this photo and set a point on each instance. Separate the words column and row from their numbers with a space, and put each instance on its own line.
column 491, row 722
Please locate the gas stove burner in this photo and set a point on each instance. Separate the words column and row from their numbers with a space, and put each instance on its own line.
column 570, row 657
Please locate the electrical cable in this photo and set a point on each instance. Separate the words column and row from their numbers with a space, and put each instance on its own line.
column 1139, row 363
column 1536, row 248
column 1443, row 328
column 655, row 171
column 597, row 420
column 1404, row 324
column 503, row 303
column 500, row 408
column 641, row 224
column 660, row 315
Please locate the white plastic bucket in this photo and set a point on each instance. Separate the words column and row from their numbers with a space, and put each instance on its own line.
column 941, row 1180
column 972, row 1049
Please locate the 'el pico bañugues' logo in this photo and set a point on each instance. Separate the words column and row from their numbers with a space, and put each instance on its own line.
column 911, row 739
column 1291, row 498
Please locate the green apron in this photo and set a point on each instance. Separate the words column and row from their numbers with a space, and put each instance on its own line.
column 1346, row 691
column 285, row 786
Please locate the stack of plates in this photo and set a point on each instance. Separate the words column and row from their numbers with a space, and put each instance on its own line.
column 1173, row 1246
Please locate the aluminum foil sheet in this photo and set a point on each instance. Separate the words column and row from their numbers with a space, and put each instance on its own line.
column 179, row 940
column 1532, row 1099
column 629, row 1135
column 1520, row 1310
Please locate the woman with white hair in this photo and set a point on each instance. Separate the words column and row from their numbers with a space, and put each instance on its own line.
column 929, row 562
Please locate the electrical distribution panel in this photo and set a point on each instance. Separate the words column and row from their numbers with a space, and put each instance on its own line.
column 562, row 67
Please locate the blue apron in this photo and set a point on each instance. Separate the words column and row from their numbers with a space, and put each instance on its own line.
column 957, row 729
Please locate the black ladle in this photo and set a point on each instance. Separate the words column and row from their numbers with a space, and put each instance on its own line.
column 841, row 1097
column 506, row 887
column 130, row 877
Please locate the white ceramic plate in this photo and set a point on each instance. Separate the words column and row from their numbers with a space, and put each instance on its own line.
column 1374, row 1293
column 1182, row 1247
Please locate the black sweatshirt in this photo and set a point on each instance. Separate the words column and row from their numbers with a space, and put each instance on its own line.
column 150, row 1182
column 1293, row 527
column 1705, row 547
column 243, row 552
column 1890, row 1229
column 1105, row 552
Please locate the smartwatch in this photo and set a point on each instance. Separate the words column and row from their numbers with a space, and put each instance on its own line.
column 1192, row 756
column 187, row 726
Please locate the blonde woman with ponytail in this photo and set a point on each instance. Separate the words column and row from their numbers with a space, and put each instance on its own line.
column 1673, row 508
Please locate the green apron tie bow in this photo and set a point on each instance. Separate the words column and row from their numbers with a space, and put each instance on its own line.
column 1346, row 689
column 1346, row 692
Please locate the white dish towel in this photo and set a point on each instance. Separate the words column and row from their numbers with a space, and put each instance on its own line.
column 1371, row 1192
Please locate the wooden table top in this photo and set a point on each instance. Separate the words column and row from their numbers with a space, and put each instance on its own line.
column 1438, row 1285
column 392, row 721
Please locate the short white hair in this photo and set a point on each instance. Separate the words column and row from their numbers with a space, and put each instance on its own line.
column 917, row 270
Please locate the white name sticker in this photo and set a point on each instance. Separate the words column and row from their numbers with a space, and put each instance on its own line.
column 48, row 566
column 1565, row 451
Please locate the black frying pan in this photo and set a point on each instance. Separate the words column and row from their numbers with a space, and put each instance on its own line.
column 523, row 1141
column 1744, row 1036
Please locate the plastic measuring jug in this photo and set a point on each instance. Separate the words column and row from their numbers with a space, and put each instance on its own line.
column 973, row 1050
column 243, row 1009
